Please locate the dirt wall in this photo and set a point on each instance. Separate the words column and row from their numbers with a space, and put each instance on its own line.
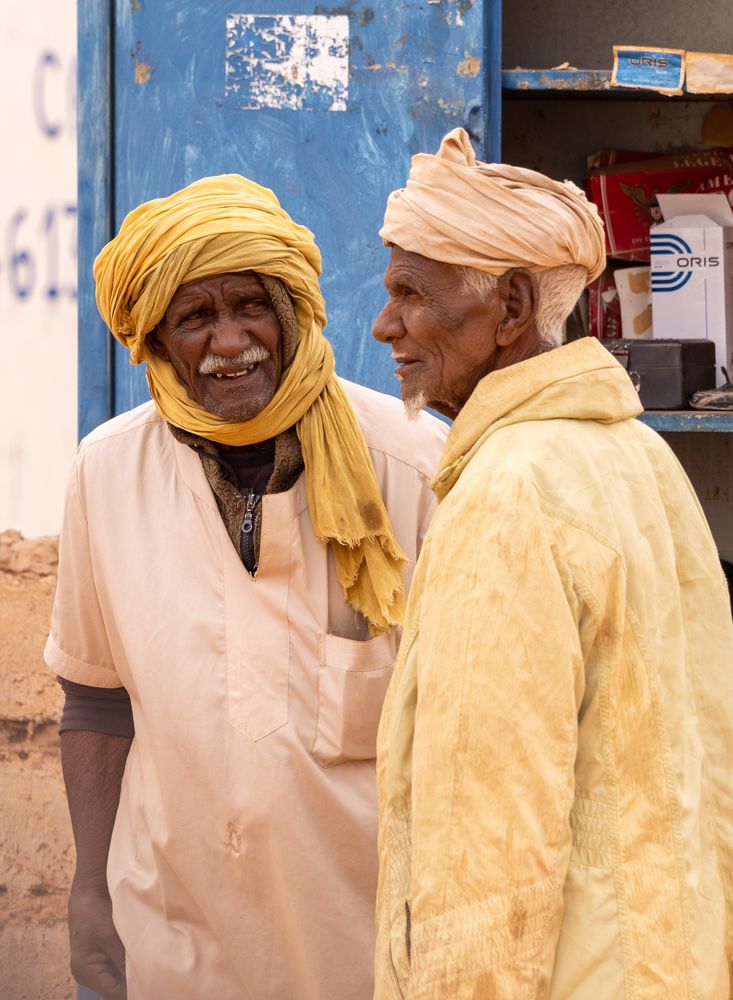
column 36, row 852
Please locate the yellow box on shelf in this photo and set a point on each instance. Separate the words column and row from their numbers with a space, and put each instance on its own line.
column 709, row 73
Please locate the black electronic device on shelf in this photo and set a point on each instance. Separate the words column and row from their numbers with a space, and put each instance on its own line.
column 666, row 372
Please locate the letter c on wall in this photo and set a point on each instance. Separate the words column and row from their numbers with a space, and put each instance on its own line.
column 46, row 61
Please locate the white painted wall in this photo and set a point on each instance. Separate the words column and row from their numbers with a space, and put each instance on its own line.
column 37, row 261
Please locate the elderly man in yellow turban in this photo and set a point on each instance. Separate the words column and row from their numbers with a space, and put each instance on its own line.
column 555, row 754
column 233, row 563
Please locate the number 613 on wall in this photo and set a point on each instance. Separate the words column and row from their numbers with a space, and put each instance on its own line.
column 38, row 253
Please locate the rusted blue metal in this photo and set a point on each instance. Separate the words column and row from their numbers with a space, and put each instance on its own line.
column 323, row 102
column 665, row 421
column 95, row 20
column 578, row 80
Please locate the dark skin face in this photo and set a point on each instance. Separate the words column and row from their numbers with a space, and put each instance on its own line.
column 444, row 338
column 223, row 338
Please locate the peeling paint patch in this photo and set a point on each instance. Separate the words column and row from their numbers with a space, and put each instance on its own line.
column 292, row 61
column 469, row 65
column 143, row 70
column 452, row 11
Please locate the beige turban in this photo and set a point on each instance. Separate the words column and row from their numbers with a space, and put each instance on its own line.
column 492, row 216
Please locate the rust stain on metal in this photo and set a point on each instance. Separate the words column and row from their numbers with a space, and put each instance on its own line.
column 143, row 70
column 135, row 6
column 580, row 82
column 584, row 83
column 390, row 65
column 469, row 65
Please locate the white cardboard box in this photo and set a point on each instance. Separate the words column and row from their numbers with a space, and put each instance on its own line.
column 692, row 270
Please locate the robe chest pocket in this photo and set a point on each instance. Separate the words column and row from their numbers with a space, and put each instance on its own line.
column 352, row 682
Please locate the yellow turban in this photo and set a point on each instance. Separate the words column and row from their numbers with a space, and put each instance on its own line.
column 492, row 216
column 224, row 224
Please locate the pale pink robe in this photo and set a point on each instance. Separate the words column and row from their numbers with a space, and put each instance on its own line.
column 244, row 859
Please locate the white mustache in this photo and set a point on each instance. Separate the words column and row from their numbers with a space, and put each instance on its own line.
column 214, row 363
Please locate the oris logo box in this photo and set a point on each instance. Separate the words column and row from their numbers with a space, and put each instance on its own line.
column 692, row 270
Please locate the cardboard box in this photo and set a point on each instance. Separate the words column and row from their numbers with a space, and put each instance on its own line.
column 692, row 271
column 608, row 157
column 709, row 73
column 645, row 68
column 626, row 194
column 635, row 298
column 604, row 307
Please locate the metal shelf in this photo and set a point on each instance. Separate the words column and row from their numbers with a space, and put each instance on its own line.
column 583, row 83
column 687, row 420
column 556, row 79
column 579, row 83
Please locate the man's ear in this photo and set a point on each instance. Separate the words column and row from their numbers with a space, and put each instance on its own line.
column 155, row 344
column 521, row 296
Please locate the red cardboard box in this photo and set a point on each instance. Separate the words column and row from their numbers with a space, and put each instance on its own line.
column 626, row 194
column 604, row 307
column 607, row 157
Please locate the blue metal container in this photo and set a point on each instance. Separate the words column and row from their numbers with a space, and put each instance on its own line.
column 324, row 104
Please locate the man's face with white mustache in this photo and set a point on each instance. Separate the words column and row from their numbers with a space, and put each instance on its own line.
column 223, row 338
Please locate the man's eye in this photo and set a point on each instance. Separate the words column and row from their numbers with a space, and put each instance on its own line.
column 253, row 305
column 193, row 316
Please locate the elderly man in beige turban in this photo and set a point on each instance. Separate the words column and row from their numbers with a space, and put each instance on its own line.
column 555, row 756
column 233, row 563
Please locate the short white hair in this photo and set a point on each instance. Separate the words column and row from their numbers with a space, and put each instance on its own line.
column 559, row 290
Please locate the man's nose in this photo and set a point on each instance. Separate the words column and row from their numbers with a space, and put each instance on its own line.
column 388, row 324
column 230, row 335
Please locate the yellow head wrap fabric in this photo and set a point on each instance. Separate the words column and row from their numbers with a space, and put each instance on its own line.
column 226, row 224
column 491, row 216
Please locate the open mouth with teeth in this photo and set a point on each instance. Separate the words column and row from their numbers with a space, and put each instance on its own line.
column 237, row 374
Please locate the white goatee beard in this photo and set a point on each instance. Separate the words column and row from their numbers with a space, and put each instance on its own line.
column 414, row 403
column 214, row 363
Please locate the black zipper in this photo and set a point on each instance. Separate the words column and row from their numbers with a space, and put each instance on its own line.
column 247, row 547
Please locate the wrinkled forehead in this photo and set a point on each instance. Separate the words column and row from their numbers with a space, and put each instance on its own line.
column 406, row 266
column 236, row 281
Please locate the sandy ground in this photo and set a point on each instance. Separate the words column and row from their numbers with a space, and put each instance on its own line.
column 36, row 853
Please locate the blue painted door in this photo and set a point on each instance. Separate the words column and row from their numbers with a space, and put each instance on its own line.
column 324, row 104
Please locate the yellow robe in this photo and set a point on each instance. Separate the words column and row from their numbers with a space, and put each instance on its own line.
column 555, row 757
